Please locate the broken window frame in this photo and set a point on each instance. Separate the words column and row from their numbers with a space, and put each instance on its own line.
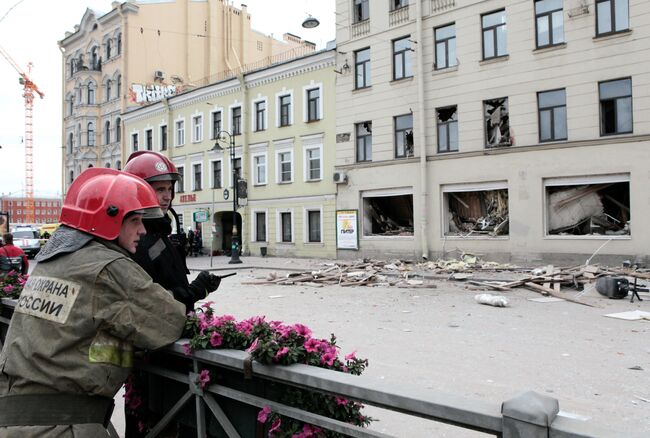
column 449, row 127
column 398, row 4
column 503, row 135
column 364, row 223
column 605, row 181
column 607, row 98
column 557, row 114
column 363, row 132
column 450, row 190
column 445, row 46
column 403, row 139
column 494, row 32
column 547, row 16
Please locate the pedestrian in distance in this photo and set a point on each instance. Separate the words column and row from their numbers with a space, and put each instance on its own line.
column 84, row 309
column 12, row 257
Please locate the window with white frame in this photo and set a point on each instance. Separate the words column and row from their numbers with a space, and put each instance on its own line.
column 134, row 142
column 91, row 134
column 313, row 225
column 260, row 116
column 285, row 227
column 107, row 132
column 313, row 163
column 91, row 93
column 217, row 125
column 284, row 162
column 284, row 103
column 197, row 128
column 216, row 174
column 259, row 226
column 313, row 104
column 118, row 129
column 180, row 184
column 163, row 137
column 197, row 172
column 148, row 139
column 259, row 169
column 612, row 16
column 236, row 120
column 180, row 132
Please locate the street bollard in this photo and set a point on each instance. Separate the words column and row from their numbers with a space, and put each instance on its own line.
column 529, row 415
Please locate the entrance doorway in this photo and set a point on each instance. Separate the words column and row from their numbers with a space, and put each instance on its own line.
column 223, row 232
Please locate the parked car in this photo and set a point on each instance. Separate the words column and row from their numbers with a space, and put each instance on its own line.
column 28, row 239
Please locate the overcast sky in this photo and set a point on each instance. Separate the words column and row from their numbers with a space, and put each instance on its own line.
column 29, row 33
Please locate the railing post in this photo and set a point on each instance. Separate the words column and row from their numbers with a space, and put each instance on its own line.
column 528, row 415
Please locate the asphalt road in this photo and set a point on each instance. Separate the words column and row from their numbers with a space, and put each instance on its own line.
column 442, row 340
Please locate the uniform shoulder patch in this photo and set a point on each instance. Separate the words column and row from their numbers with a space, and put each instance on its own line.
column 48, row 298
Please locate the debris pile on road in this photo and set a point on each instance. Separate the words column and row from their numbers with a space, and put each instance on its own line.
column 469, row 268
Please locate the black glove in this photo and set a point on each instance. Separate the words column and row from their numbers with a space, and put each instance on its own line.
column 206, row 282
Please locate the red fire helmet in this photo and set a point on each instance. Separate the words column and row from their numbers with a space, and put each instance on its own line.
column 99, row 199
column 151, row 166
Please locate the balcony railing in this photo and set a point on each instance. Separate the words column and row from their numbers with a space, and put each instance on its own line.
column 360, row 28
column 398, row 16
column 441, row 5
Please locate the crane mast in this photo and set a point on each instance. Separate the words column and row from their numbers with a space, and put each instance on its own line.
column 29, row 88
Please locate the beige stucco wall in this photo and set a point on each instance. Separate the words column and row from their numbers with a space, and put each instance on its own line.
column 271, row 197
column 577, row 66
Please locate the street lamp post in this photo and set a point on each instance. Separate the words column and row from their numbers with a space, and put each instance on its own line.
column 235, row 244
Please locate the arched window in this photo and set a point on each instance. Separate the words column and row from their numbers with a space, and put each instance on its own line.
column 108, row 90
column 108, row 165
column 119, row 43
column 70, row 105
column 109, row 47
column 71, row 176
column 94, row 59
column 91, row 134
column 70, row 142
column 90, row 165
column 118, row 129
column 119, row 86
column 107, row 132
column 119, row 165
column 91, row 93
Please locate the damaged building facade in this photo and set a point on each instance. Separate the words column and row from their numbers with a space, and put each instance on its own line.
column 517, row 129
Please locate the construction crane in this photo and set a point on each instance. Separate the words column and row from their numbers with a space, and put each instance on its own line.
column 29, row 88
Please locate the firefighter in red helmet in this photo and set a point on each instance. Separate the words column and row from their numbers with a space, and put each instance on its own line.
column 85, row 307
column 157, row 254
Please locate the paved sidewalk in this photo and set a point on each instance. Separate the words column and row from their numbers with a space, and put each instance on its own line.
column 220, row 263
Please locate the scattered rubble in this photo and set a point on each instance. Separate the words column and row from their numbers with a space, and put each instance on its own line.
column 549, row 281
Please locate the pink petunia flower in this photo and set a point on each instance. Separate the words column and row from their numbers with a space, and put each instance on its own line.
column 275, row 426
column 328, row 359
column 216, row 339
column 281, row 353
column 341, row 401
column 351, row 356
column 253, row 346
column 302, row 330
column 263, row 415
column 187, row 349
column 312, row 345
column 204, row 378
column 207, row 304
column 8, row 288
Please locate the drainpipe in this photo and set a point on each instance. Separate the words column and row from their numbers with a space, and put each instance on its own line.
column 244, row 153
column 421, row 131
column 63, row 139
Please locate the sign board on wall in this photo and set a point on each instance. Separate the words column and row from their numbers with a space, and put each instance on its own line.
column 200, row 216
column 347, row 229
column 142, row 94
